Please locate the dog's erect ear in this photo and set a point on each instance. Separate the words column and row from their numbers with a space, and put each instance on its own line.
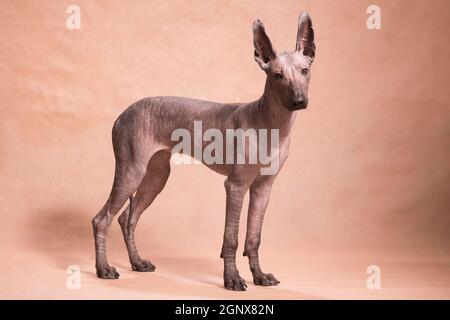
column 264, row 52
column 305, row 36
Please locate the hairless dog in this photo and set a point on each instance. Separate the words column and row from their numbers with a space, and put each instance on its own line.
column 142, row 145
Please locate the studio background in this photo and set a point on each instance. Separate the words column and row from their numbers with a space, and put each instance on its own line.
column 367, row 181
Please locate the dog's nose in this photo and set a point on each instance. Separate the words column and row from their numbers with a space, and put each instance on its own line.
column 301, row 102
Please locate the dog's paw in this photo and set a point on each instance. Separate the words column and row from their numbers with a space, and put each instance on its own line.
column 234, row 282
column 107, row 272
column 143, row 266
column 265, row 279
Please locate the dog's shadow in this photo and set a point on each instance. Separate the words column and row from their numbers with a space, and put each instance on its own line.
column 62, row 234
column 65, row 237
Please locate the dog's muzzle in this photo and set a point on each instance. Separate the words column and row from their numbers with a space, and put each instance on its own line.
column 299, row 104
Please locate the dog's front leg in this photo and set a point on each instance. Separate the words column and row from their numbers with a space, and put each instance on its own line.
column 235, row 195
column 259, row 199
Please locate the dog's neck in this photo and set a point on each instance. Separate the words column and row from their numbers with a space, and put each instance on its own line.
column 275, row 115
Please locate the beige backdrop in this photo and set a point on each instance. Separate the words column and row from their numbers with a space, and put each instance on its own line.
column 367, row 181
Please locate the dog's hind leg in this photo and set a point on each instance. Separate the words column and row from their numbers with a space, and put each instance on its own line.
column 126, row 181
column 132, row 156
column 158, row 171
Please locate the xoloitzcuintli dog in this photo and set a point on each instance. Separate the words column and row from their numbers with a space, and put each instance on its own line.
column 142, row 145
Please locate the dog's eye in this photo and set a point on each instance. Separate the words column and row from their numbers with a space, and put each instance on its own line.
column 278, row 75
column 305, row 71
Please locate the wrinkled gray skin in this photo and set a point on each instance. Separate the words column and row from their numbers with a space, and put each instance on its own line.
column 142, row 146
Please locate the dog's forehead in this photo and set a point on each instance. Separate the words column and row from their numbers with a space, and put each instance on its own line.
column 294, row 59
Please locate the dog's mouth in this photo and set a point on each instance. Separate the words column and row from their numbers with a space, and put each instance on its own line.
column 294, row 107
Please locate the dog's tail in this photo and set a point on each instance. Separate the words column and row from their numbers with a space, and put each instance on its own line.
column 129, row 215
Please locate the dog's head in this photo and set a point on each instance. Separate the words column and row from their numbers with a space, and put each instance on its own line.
column 288, row 73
